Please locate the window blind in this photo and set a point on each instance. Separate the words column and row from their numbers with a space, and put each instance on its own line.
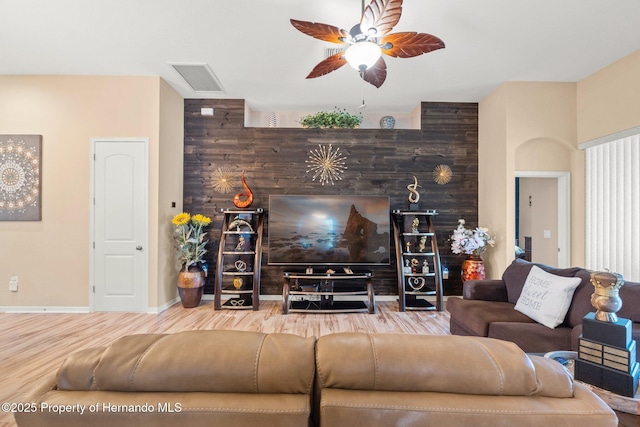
column 612, row 174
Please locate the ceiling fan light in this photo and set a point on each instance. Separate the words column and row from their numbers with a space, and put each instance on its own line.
column 362, row 55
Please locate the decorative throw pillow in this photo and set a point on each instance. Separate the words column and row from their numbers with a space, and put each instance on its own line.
column 516, row 274
column 546, row 297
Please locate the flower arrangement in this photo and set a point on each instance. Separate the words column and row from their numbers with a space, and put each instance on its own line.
column 335, row 119
column 190, row 237
column 470, row 242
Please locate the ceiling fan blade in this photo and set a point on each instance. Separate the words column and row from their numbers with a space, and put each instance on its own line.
column 382, row 15
column 376, row 74
column 319, row 31
column 328, row 65
column 410, row 44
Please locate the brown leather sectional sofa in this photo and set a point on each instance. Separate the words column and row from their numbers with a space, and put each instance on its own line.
column 486, row 309
column 234, row 378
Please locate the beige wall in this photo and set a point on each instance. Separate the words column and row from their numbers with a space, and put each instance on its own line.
column 494, row 165
column 51, row 257
column 608, row 99
column 540, row 118
column 551, row 119
column 170, row 179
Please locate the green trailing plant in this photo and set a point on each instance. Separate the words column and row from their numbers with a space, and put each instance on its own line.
column 339, row 118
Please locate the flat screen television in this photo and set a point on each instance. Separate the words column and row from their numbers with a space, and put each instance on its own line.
column 339, row 230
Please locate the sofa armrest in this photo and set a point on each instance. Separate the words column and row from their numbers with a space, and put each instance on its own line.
column 485, row 290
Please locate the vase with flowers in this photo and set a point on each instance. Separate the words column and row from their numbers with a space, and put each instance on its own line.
column 190, row 236
column 471, row 243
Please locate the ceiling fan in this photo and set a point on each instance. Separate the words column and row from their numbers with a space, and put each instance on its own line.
column 367, row 41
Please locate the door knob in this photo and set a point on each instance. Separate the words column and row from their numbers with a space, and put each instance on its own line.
column 138, row 248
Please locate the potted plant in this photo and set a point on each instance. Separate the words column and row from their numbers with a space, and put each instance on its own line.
column 471, row 243
column 190, row 236
column 340, row 119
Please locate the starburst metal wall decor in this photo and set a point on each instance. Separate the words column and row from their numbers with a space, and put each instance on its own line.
column 442, row 174
column 222, row 179
column 326, row 163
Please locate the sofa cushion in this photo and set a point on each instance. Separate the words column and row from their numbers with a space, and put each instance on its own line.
column 630, row 295
column 419, row 409
column 476, row 315
column 423, row 363
column 532, row 337
column 214, row 361
column 546, row 297
column 516, row 274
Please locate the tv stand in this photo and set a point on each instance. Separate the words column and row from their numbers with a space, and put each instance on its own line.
column 316, row 292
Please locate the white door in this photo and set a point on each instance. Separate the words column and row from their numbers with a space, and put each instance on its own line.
column 120, row 223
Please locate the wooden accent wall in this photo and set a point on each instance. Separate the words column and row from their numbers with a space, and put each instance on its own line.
column 379, row 161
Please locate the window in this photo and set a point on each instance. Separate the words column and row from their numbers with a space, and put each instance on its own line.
column 613, row 206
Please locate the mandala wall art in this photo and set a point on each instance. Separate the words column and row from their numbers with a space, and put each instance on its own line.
column 20, row 171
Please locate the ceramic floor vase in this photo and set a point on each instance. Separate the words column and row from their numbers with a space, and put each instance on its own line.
column 190, row 287
column 473, row 268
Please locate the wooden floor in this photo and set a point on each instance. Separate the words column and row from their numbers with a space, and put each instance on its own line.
column 34, row 345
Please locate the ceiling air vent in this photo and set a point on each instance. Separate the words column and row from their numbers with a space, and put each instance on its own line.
column 330, row 51
column 199, row 77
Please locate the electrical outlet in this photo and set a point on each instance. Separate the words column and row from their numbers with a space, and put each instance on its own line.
column 13, row 284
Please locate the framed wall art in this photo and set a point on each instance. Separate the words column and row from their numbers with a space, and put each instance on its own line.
column 20, row 172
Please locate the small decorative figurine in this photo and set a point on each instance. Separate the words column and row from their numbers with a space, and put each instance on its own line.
column 414, row 265
column 414, row 225
column 422, row 244
column 240, row 265
column 414, row 196
column 241, row 243
column 425, row 267
column 407, row 267
column 237, row 282
column 239, row 222
column 249, row 195
column 408, row 247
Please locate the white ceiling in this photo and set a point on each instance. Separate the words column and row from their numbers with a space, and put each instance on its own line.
column 258, row 56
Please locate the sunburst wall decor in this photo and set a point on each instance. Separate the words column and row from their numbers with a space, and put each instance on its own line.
column 442, row 174
column 20, row 168
column 326, row 163
column 222, row 179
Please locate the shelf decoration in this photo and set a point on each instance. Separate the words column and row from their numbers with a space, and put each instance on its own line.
column 248, row 195
column 338, row 119
column 414, row 196
column 20, row 167
column 442, row 174
column 327, row 164
column 418, row 270
column 237, row 273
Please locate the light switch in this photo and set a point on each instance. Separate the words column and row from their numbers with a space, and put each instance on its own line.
column 13, row 284
column 547, row 234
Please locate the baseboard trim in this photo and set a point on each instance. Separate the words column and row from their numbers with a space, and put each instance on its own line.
column 163, row 307
column 43, row 309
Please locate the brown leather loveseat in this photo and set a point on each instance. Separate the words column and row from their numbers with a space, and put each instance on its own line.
column 234, row 378
column 486, row 309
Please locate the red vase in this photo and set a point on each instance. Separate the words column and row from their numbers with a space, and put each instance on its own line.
column 473, row 268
